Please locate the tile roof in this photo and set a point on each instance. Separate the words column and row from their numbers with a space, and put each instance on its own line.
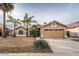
column 73, row 25
column 1, row 26
column 55, row 22
column 20, row 27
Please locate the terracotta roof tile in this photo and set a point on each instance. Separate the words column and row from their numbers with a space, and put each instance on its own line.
column 1, row 26
column 56, row 22
column 73, row 25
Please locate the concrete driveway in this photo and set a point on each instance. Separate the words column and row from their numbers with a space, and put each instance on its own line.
column 63, row 46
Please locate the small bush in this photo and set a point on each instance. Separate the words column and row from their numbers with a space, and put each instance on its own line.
column 40, row 44
column 33, row 32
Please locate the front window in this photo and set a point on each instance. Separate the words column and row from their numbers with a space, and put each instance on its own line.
column 20, row 32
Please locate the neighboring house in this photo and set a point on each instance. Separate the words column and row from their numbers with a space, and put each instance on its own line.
column 53, row 29
column 1, row 28
column 8, row 31
column 74, row 29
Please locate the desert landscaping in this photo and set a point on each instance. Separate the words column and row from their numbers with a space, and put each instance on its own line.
column 20, row 45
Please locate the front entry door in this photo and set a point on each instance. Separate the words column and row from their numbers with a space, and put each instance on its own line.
column 20, row 32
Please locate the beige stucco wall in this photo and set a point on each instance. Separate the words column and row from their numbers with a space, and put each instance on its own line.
column 74, row 29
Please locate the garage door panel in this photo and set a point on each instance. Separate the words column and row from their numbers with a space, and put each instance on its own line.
column 53, row 33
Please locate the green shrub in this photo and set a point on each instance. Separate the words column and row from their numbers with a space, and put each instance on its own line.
column 33, row 32
column 40, row 44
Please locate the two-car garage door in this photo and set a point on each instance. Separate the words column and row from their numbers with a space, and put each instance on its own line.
column 53, row 33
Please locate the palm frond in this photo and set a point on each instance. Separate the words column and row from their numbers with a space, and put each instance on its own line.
column 34, row 21
column 31, row 17
column 6, row 6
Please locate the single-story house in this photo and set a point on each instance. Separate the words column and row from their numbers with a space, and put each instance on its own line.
column 8, row 31
column 53, row 29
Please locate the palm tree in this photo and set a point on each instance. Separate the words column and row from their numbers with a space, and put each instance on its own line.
column 14, row 21
column 26, row 21
column 5, row 7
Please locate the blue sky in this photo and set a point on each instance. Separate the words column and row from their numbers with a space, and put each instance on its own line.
column 65, row 13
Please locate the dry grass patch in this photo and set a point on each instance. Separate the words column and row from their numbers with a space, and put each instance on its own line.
column 20, row 45
column 17, row 42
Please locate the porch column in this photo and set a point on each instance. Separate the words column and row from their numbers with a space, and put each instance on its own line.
column 42, row 32
column 65, row 30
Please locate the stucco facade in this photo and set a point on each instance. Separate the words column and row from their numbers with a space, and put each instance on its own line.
column 20, row 31
column 74, row 29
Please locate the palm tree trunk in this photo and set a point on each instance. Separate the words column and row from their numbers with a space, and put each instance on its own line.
column 14, row 31
column 4, row 32
column 27, row 29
